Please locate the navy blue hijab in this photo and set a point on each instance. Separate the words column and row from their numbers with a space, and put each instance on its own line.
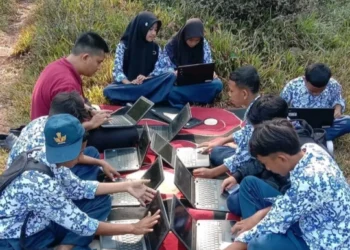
column 140, row 56
column 178, row 50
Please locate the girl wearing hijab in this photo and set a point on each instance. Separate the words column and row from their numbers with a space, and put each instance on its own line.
column 188, row 47
column 140, row 65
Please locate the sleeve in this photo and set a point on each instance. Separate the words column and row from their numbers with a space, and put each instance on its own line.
column 207, row 52
column 337, row 95
column 300, row 199
column 251, row 168
column 286, row 93
column 118, row 74
column 75, row 188
column 51, row 200
column 163, row 64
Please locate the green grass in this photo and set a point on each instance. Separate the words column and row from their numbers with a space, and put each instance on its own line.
column 279, row 48
column 7, row 11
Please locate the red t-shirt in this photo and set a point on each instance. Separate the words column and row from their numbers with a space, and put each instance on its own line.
column 59, row 76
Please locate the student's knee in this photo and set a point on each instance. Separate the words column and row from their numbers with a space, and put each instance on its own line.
column 92, row 152
column 218, row 84
column 216, row 156
column 104, row 202
column 248, row 182
column 260, row 243
column 233, row 204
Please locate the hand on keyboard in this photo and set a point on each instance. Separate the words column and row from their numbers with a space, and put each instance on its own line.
column 140, row 191
column 146, row 224
column 110, row 172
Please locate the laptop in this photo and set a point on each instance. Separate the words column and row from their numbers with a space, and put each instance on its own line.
column 149, row 241
column 191, row 157
column 195, row 74
column 154, row 173
column 174, row 127
column 201, row 193
column 132, row 117
column 129, row 159
column 316, row 117
column 201, row 234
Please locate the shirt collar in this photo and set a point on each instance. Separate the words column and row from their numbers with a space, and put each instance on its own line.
column 250, row 105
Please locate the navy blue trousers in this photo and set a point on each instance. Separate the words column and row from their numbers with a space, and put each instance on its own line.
column 340, row 127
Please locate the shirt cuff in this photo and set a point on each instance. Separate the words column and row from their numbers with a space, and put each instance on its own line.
column 228, row 162
column 120, row 77
column 91, row 227
column 90, row 189
column 243, row 237
column 342, row 104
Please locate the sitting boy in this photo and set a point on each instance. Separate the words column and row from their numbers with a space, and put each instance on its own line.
column 318, row 90
column 64, row 211
column 315, row 211
column 244, row 85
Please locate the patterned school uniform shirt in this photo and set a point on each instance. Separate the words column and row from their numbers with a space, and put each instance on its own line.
column 162, row 65
column 319, row 199
column 241, row 138
column 49, row 198
column 296, row 94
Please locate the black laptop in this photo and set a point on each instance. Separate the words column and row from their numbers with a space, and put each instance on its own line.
column 150, row 241
column 132, row 117
column 195, row 74
column 129, row 159
column 316, row 117
column 201, row 234
column 156, row 176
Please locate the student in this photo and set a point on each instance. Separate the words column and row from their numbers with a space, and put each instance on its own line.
column 318, row 90
column 64, row 75
column 32, row 136
column 140, row 67
column 313, row 214
column 66, row 211
column 244, row 85
column 188, row 47
column 267, row 107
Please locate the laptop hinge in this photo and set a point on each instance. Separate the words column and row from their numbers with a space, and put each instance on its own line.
column 194, row 234
column 193, row 193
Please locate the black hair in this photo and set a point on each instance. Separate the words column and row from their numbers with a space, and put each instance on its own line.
column 86, row 136
column 318, row 75
column 274, row 136
column 246, row 77
column 267, row 107
column 69, row 103
column 91, row 43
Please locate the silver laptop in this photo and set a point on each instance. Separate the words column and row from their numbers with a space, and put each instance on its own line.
column 150, row 241
column 201, row 234
column 190, row 157
column 156, row 176
column 129, row 159
column 169, row 132
column 132, row 117
column 201, row 193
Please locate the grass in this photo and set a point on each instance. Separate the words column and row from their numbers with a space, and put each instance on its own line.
column 279, row 48
column 7, row 11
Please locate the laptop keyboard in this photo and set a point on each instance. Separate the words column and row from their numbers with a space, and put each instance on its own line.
column 209, row 235
column 120, row 121
column 124, row 199
column 189, row 159
column 123, row 242
column 206, row 193
column 126, row 159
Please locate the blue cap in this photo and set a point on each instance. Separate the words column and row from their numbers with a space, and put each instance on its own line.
column 63, row 138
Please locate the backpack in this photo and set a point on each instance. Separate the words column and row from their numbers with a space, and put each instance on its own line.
column 307, row 134
column 21, row 164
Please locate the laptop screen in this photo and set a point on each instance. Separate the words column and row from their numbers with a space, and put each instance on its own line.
column 163, row 148
column 144, row 143
column 161, row 229
column 182, row 223
column 183, row 179
column 155, row 174
column 139, row 109
column 180, row 121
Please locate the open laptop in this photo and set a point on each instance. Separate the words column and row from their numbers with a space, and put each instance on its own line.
column 154, row 173
column 195, row 74
column 190, row 157
column 132, row 117
column 316, row 117
column 201, row 193
column 201, row 234
column 150, row 241
column 174, row 127
column 129, row 159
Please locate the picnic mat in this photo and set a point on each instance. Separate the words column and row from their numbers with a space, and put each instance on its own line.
column 167, row 190
column 227, row 121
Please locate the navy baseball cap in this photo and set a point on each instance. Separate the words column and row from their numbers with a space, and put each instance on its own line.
column 63, row 138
